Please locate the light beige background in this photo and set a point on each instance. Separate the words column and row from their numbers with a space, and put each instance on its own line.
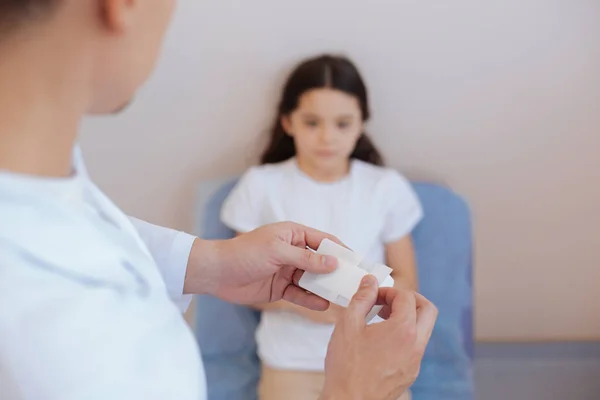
column 500, row 99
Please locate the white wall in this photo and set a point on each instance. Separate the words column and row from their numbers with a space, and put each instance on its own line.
column 500, row 99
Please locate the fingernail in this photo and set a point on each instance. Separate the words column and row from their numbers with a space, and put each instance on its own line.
column 367, row 281
column 329, row 261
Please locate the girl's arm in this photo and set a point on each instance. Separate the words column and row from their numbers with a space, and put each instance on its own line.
column 400, row 257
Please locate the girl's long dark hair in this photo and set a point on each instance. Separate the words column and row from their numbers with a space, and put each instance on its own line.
column 322, row 72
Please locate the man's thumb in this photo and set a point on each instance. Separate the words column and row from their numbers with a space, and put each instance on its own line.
column 363, row 301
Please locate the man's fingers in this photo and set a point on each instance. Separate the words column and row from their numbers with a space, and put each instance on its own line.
column 301, row 297
column 427, row 314
column 306, row 260
column 397, row 304
column 297, row 276
column 362, row 302
column 385, row 298
column 305, row 236
column 404, row 306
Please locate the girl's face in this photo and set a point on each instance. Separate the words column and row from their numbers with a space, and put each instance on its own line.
column 325, row 127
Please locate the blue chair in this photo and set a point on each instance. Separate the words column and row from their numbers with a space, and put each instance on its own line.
column 443, row 243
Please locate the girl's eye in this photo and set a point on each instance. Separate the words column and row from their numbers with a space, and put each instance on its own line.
column 344, row 125
column 311, row 124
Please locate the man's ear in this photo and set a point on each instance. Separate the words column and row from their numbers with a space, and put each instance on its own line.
column 286, row 124
column 118, row 15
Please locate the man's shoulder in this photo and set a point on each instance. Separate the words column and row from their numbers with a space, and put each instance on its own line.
column 73, row 337
column 42, row 242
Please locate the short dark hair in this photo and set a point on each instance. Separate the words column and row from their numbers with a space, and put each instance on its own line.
column 14, row 12
column 325, row 71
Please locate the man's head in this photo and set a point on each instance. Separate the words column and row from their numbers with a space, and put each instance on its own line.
column 14, row 11
column 113, row 44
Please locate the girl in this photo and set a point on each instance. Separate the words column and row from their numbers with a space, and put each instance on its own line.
column 320, row 169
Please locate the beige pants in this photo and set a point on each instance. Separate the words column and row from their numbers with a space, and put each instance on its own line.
column 293, row 385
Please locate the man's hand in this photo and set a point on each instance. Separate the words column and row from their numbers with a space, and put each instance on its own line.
column 379, row 361
column 261, row 266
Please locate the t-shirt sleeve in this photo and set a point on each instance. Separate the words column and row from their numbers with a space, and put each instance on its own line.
column 242, row 211
column 403, row 209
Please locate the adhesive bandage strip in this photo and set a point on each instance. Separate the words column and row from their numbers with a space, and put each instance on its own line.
column 339, row 286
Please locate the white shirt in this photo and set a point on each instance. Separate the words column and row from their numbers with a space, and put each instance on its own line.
column 369, row 208
column 88, row 298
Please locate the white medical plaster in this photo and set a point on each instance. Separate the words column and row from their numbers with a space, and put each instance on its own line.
column 339, row 286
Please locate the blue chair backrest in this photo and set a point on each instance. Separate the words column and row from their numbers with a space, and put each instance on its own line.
column 443, row 244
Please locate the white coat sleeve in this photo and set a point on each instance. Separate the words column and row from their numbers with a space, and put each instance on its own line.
column 171, row 251
column 70, row 336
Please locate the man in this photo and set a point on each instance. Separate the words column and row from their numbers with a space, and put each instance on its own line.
column 86, row 294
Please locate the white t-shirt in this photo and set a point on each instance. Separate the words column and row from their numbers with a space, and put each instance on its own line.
column 84, row 309
column 369, row 208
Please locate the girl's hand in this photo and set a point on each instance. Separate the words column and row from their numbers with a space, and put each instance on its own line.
column 329, row 316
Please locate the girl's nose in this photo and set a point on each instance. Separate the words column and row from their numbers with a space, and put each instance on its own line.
column 326, row 133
